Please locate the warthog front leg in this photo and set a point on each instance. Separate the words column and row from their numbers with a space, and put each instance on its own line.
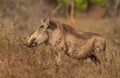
column 58, row 60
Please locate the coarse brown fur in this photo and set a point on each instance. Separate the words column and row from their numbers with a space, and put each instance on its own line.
column 78, row 45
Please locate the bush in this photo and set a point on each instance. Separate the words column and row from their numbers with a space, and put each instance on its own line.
column 83, row 5
column 99, row 2
column 1, row 3
column 4, row 43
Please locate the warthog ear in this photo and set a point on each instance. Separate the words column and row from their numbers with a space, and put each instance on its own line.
column 52, row 25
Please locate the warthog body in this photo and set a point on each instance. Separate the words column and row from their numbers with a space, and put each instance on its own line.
column 78, row 45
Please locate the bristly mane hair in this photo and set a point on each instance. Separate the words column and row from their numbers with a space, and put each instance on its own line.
column 54, row 23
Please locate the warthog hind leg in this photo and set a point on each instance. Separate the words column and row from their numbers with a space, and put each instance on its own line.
column 94, row 59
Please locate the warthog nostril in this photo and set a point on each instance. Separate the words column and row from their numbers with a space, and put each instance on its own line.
column 32, row 43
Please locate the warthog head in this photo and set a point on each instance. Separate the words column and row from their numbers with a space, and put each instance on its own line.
column 40, row 35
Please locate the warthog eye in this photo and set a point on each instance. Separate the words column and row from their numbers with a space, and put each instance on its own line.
column 41, row 27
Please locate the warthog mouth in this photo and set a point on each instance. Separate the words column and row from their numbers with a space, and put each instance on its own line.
column 32, row 45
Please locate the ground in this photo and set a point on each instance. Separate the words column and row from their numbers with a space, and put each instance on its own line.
column 18, row 61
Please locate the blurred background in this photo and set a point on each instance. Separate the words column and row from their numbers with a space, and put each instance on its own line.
column 19, row 18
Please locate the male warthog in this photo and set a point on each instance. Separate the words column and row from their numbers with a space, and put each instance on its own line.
column 78, row 45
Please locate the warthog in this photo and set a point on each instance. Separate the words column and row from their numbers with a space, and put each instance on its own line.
column 78, row 45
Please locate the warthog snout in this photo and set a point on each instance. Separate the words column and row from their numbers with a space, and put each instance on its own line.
column 32, row 43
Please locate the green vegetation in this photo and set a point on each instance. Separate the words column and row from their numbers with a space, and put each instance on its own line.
column 65, row 2
column 1, row 3
column 99, row 2
column 82, row 5
column 4, row 43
